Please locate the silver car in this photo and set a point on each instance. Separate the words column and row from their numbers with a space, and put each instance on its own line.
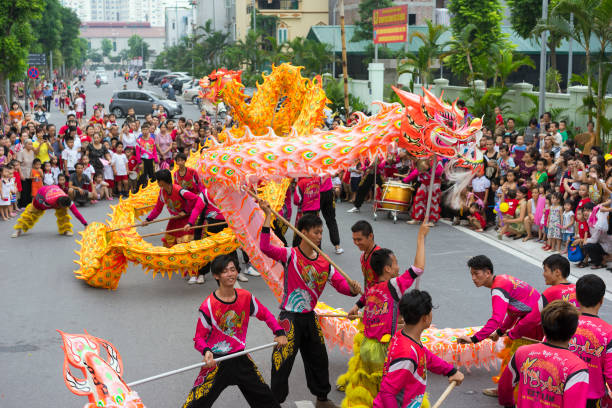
column 142, row 101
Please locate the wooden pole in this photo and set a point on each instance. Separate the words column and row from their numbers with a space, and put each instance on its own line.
column 344, row 67
column 179, row 229
column 340, row 316
column 150, row 222
column 144, row 208
column 305, row 238
column 445, row 394
column 434, row 163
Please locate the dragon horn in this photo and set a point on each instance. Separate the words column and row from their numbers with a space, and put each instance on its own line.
column 407, row 98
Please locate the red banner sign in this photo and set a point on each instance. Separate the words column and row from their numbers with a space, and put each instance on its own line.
column 390, row 16
column 390, row 34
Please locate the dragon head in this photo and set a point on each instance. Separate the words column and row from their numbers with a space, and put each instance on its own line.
column 213, row 84
column 431, row 126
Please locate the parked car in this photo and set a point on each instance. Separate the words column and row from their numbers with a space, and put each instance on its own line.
column 142, row 102
column 179, row 82
column 192, row 94
column 157, row 73
column 163, row 79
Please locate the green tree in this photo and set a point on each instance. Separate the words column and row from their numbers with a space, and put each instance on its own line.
column 365, row 29
column 420, row 63
column 107, row 47
column 17, row 36
column 462, row 45
column 485, row 16
column 524, row 15
column 137, row 47
column 72, row 47
column 505, row 62
column 49, row 28
column 310, row 54
column 246, row 54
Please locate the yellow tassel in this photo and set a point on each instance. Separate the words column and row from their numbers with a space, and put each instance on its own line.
column 28, row 218
column 63, row 220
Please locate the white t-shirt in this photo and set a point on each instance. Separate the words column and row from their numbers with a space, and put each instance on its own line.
column 568, row 220
column 71, row 156
column 128, row 139
column 89, row 171
column 79, row 104
column 480, row 184
column 120, row 162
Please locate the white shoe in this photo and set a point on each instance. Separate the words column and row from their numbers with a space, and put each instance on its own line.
column 339, row 250
column 16, row 233
column 242, row 278
column 353, row 210
column 201, row 279
column 68, row 233
column 192, row 280
column 252, row 271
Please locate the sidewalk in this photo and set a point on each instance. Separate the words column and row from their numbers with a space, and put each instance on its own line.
column 532, row 252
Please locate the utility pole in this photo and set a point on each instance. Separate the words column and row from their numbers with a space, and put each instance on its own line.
column 541, row 107
column 335, row 5
column 570, row 54
column 344, row 68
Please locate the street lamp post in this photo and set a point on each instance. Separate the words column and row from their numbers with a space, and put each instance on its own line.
column 541, row 107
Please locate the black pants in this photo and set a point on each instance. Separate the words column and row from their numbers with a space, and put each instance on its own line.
column 240, row 371
column 48, row 103
column 306, row 336
column 280, row 228
column 328, row 209
column 595, row 252
column 365, row 187
column 26, row 193
column 198, row 233
column 593, row 403
column 149, row 169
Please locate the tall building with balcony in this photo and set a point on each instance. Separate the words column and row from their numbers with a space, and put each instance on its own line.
column 295, row 17
column 418, row 11
column 220, row 13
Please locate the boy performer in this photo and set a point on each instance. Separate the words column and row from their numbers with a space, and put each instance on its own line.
column 222, row 330
column 179, row 202
column 556, row 271
column 48, row 198
column 547, row 374
column 306, row 273
column 307, row 198
column 363, row 238
column 380, row 320
column 516, row 311
column 404, row 377
column 592, row 341
column 186, row 177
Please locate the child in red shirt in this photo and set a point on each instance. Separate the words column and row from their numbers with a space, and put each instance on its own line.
column 133, row 169
column 499, row 120
column 583, row 228
column 477, row 221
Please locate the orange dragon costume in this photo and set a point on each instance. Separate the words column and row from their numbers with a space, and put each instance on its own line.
column 424, row 126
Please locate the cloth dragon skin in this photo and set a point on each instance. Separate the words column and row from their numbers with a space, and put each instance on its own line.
column 102, row 385
column 212, row 85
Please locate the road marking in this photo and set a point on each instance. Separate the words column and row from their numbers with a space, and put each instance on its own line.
column 512, row 251
column 304, row 404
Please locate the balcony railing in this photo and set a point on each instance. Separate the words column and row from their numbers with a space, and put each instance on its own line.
column 278, row 4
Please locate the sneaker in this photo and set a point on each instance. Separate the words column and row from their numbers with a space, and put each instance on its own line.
column 490, row 392
column 456, row 221
column 192, row 280
column 242, row 278
column 339, row 251
column 325, row 404
column 16, row 233
column 68, row 233
column 353, row 210
column 200, row 279
column 252, row 271
column 411, row 222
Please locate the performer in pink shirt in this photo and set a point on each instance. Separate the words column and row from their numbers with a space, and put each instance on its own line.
column 556, row 271
column 306, row 273
column 380, row 320
column 404, row 377
column 307, row 198
column 516, row 310
column 592, row 341
column 548, row 374
column 222, row 330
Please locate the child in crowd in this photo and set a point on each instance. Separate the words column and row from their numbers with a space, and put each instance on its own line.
column 512, row 201
column 48, row 179
column 519, row 149
column 88, row 169
column 16, row 175
column 55, row 169
column 70, row 156
column 62, row 182
column 567, row 229
column 5, row 193
column 102, row 188
column 475, row 218
column 543, row 232
column 37, row 177
column 109, row 176
column 133, row 170
column 554, row 223
column 13, row 208
column 120, row 170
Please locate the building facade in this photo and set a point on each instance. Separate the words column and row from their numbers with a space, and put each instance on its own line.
column 120, row 32
column 295, row 17
column 150, row 11
column 418, row 11
column 178, row 24
column 221, row 13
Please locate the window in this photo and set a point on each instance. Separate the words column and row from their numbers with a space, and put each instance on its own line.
column 282, row 35
column 411, row 19
column 114, row 45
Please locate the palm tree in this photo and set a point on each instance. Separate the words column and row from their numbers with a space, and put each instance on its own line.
column 602, row 29
column 558, row 29
column 421, row 62
column 462, row 45
column 277, row 53
column 506, row 62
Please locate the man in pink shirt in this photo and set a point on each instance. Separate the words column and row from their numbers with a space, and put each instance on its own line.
column 592, row 341
column 547, row 374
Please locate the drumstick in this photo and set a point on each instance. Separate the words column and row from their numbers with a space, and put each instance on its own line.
column 305, row 238
column 149, row 222
column 181, row 229
column 340, row 316
column 445, row 394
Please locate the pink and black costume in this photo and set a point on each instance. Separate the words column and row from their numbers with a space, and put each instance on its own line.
column 222, row 329
column 369, row 276
column 47, row 197
column 562, row 291
column 420, row 199
column 516, row 310
column 592, row 342
column 304, row 281
column 547, row 377
column 328, row 209
column 404, row 377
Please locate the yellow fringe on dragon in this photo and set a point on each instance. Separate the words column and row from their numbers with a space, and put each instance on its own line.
column 28, row 218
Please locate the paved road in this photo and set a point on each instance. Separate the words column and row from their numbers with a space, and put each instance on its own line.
column 151, row 322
